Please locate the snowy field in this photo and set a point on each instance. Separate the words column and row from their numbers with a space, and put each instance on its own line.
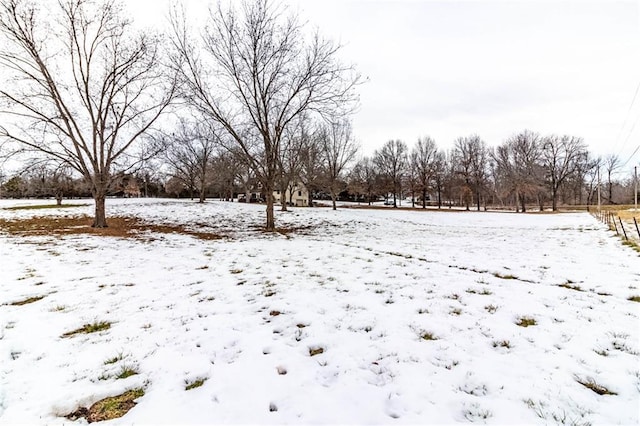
column 360, row 316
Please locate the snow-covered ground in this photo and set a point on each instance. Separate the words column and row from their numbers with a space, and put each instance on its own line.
column 366, row 286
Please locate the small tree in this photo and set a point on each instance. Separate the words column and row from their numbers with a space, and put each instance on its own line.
column 338, row 149
column 85, row 88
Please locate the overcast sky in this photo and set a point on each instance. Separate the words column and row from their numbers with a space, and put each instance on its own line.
column 453, row 68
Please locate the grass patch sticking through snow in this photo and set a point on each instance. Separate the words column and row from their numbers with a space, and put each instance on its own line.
column 89, row 328
column 505, row 276
column 126, row 371
column 27, row 301
column 594, row 386
column 194, row 384
column 108, row 408
column 491, row 308
column 115, row 359
column 526, row 322
column 427, row 335
column 316, row 351
column 634, row 299
column 571, row 287
column 502, row 344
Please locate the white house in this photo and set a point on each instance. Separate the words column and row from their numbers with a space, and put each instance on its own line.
column 295, row 195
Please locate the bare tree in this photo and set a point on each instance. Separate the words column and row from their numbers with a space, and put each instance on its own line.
column 224, row 167
column 189, row 154
column 255, row 72
column 561, row 157
column 470, row 162
column 612, row 165
column 85, row 88
column 439, row 174
column 591, row 178
column 423, row 157
column 311, row 171
column 338, row 149
column 363, row 178
column 391, row 161
column 518, row 164
column 290, row 161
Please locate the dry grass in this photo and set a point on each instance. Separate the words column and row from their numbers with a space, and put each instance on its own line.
column 108, row 408
column 118, row 226
column 26, row 301
column 628, row 215
column 89, row 328
column 597, row 388
column 194, row 384
column 526, row 322
column 313, row 351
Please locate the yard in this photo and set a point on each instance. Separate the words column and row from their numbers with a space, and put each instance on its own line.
column 349, row 316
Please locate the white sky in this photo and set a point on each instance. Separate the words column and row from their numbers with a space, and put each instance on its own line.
column 453, row 68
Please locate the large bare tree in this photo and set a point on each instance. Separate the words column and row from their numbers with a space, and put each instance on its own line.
column 254, row 71
column 84, row 88
column 470, row 162
column 391, row 161
column 518, row 164
column 423, row 157
column 561, row 158
column 338, row 149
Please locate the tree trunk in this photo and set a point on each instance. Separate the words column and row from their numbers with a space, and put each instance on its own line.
column 478, row 199
column 202, row 195
column 522, row 200
column 333, row 199
column 271, row 222
column 283, row 197
column 100, row 219
column 59, row 198
column 424, row 198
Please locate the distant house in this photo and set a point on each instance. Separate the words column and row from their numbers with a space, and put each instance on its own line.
column 296, row 195
column 132, row 190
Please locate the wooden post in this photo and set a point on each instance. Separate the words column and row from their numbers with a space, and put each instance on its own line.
column 623, row 230
column 637, row 230
column 614, row 223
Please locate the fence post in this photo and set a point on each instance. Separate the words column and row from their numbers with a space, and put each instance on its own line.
column 614, row 224
column 623, row 230
column 636, row 223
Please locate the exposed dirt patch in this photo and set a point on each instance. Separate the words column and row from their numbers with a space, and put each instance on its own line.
column 119, row 226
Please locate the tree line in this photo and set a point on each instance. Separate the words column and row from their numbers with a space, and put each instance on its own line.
column 252, row 101
column 526, row 171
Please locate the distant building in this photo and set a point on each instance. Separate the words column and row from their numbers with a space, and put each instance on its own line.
column 296, row 195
